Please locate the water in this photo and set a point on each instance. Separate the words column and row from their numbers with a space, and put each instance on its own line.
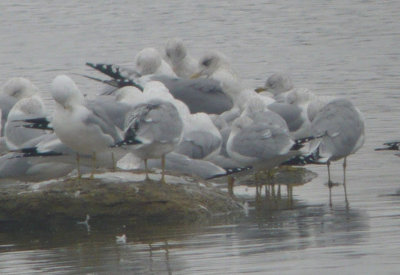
column 334, row 48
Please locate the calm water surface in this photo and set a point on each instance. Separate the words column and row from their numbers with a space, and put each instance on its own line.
column 343, row 48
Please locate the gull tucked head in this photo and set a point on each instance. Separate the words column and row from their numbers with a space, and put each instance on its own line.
column 147, row 61
column 19, row 87
column 175, row 50
column 278, row 83
column 210, row 63
column 65, row 92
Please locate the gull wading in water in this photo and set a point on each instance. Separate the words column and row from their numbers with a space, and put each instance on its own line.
column 341, row 126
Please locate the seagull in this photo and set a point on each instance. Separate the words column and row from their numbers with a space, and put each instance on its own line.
column 15, row 165
column 85, row 130
column 201, row 139
column 342, row 128
column 215, row 65
column 277, row 84
column 13, row 90
column 120, row 239
column 200, row 95
column 15, row 134
column 260, row 138
column 149, row 61
column 153, row 128
column 181, row 62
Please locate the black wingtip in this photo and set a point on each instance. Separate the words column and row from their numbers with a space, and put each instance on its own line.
column 393, row 146
column 300, row 160
column 40, row 123
column 120, row 79
column 33, row 152
column 230, row 171
column 234, row 170
column 126, row 142
column 299, row 143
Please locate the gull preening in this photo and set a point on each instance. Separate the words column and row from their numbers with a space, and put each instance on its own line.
column 86, row 132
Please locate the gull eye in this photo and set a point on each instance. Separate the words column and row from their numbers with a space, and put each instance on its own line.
column 206, row 62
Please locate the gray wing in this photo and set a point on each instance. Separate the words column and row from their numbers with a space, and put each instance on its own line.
column 99, row 118
column 262, row 142
column 198, row 144
column 14, row 167
column 107, row 107
column 16, row 135
column 343, row 126
column 290, row 113
column 155, row 121
column 182, row 164
column 200, row 95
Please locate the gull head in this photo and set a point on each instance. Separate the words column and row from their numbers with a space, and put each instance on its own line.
column 29, row 106
column 65, row 92
column 147, row 61
column 278, row 83
column 210, row 63
column 175, row 50
column 19, row 87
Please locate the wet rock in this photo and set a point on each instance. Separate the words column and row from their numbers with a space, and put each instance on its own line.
column 128, row 198
column 115, row 195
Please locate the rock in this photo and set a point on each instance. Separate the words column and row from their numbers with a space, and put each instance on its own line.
column 126, row 198
column 120, row 195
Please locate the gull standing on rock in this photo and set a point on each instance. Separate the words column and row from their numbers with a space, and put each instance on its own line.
column 15, row 134
column 153, row 128
column 77, row 126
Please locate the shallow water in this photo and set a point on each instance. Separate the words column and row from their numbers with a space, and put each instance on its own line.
column 334, row 48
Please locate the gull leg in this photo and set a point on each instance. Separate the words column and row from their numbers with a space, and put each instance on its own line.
column 290, row 195
column 231, row 181
column 328, row 164
column 279, row 191
column 162, row 169
column 344, row 181
column 93, row 165
column 146, row 169
column 78, row 166
column 114, row 163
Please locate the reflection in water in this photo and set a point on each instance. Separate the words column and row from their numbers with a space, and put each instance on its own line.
column 270, row 227
column 352, row 51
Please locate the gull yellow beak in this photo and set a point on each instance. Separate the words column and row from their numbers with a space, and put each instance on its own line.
column 260, row 89
column 196, row 75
